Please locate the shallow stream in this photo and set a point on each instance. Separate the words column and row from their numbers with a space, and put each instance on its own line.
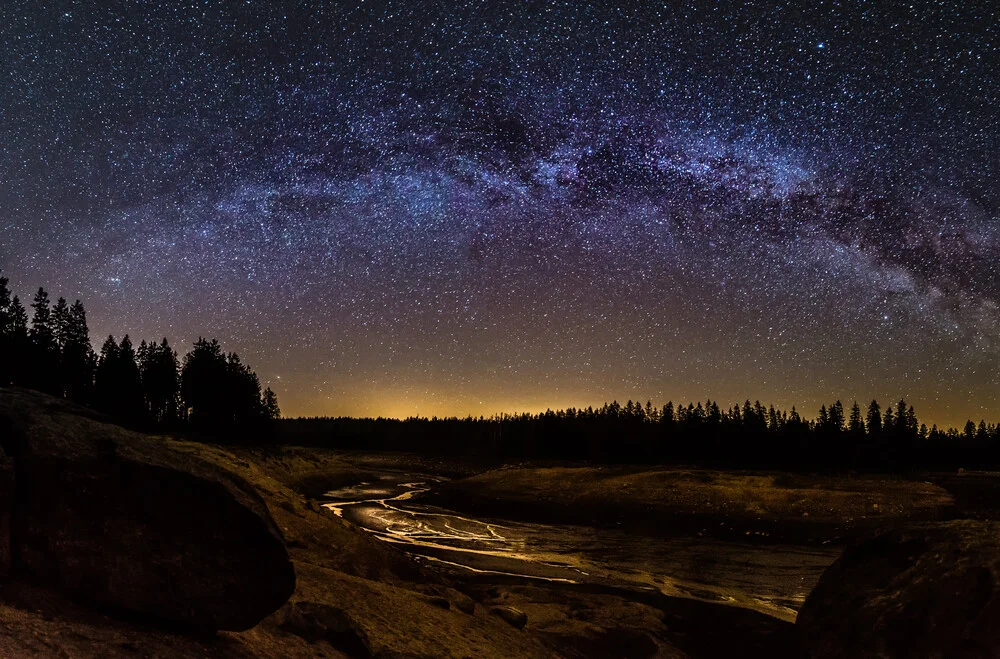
column 772, row 579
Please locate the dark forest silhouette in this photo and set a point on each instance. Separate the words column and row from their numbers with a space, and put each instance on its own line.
column 747, row 435
column 215, row 393
column 209, row 391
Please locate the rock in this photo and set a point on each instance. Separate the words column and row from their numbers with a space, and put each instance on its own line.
column 322, row 622
column 592, row 641
column 927, row 591
column 447, row 598
column 514, row 617
column 461, row 601
column 576, row 623
column 439, row 602
column 128, row 521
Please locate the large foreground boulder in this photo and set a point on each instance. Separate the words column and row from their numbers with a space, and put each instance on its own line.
column 124, row 520
column 925, row 591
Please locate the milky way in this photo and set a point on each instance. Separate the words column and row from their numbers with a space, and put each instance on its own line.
column 450, row 208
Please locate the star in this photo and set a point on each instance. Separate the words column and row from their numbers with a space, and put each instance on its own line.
column 511, row 209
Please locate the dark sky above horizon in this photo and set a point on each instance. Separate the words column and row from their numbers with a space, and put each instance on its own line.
column 470, row 207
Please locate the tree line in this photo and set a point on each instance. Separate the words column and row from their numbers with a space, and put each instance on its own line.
column 749, row 435
column 215, row 393
column 146, row 387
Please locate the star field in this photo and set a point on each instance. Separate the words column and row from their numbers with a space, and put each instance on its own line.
column 447, row 208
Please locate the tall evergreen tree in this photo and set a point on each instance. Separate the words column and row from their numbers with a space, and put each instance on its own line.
column 60, row 322
column 269, row 403
column 912, row 425
column 244, row 395
column 118, row 387
column 873, row 422
column 60, row 328
column 42, row 330
column 45, row 350
column 888, row 420
column 222, row 394
column 667, row 417
column 132, row 404
column 713, row 415
column 78, row 359
column 6, row 333
column 203, row 377
column 855, row 424
column 5, row 304
column 105, row 378
column 773, row 420
column 160, row 381
column 837, row 416
column 823, row 420
column 20, row 345
column 901, row 418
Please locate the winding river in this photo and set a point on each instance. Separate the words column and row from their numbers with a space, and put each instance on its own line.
column 772, row 579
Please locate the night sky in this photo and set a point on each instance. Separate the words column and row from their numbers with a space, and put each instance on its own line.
column 468, row 207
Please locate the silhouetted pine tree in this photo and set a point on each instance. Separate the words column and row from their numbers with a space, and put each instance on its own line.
column 60, row 322
column 78, row 359
column 837, row 416
column 105, row 378
column 222, row 394
column 982, row 432
column 855, row 424
column 773, row 420
column 45, row 351
column 117, row 384
column 6, row 331
column 60, row 328
column 873, row 422
column 735, row 416
column 203, row 379
column 713, row 415
column 20, row 345
column 912, row 425
column 243, row 394
column 133, row 405
column 219, row 394
column 269, row 403
column 667, row 418
column 160, row 373
column 888, row 420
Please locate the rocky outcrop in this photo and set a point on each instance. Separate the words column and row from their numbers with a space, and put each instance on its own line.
column 514, row 617
column 926, row 591
column 575, row 623
column 120, row 519
column 315, row 622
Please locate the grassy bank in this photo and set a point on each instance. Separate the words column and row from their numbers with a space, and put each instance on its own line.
column 758, row 505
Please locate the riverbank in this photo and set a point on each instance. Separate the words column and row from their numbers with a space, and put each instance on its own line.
column 566, row 619
column 312, row 472
column 767, row 507
column 753, row 506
